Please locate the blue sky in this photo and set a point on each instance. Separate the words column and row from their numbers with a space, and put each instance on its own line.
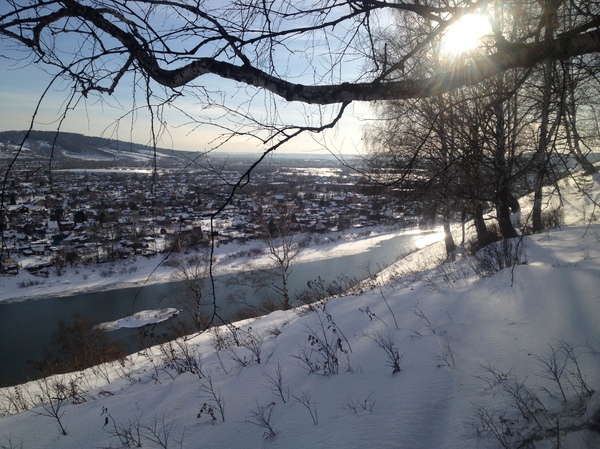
column 22, row 84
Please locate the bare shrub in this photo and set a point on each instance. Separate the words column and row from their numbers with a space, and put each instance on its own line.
column 425, row 321
column 159, row 431
column 326, row 344
column 498, row 256
column 134, row 432
column 214, row 398
column 525, row 416
column 355, row 405
column 262, row 417
column 49, row 400
column 496, row 424
column 129, row 434
column 223, row 339
column 386, row 342
column 310, row 404
column 274, row 330
column 13, row 400
column 553, row 218
column 493, row 235
column 78, row 345
column 181, row 357
column 29, row 283
column 9, row 444
column 317, row 289
column 275, row 383
column 250, row 341
column 446, row 356
column 126, row 371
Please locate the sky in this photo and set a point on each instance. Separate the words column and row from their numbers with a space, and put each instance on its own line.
column 23, row 83
column 302, row 59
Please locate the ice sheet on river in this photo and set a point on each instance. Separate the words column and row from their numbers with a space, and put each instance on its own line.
column 140, row 319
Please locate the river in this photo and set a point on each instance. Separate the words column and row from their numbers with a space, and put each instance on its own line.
column 26, row 327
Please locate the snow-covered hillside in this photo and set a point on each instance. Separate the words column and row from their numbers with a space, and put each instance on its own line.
column 81, row 148
column 423, row 357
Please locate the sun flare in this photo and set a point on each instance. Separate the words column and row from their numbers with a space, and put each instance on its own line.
column 465, row 34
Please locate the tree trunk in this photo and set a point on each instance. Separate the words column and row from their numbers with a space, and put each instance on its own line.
column 483, row 236
column 286, row 293
column 503, row 215
column 448, row 240
column 502, row 196
column 571, row 131
column 539, row 159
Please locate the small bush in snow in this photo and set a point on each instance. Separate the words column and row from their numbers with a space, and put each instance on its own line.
column 9, row 444
column 224, row 339
column 13, row 400
column 446, row 356
column 29, row 283
column 553, row 218
column 180, row 357
column 250, row 341
column 275, row 383
column 425, row 321
column 159, row 432
column 214, row 399
column 129, row 435
column 50, row 398
column 547, row 412
column 386, row 342
column 355, row 405
column 326, row 344
column 498, row 256
column 262, row 417
column 318, row 290
column 311, row 405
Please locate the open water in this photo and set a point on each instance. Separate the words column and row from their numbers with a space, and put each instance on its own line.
column 26, row 327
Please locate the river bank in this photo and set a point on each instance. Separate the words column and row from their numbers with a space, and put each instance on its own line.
column 30, row 323
column 144, row 271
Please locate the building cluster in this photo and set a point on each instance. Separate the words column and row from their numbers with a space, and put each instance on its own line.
column 93, row 216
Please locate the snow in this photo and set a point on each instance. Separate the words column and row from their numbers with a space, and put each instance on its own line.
column 149, row 270
column 140, row 319
column 465, row 343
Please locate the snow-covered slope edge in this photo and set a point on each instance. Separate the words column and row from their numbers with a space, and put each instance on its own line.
column 475, row 358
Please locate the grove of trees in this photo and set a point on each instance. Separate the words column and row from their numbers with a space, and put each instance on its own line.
column 514, row 133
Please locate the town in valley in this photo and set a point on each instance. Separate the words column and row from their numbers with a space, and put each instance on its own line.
column 85, row 203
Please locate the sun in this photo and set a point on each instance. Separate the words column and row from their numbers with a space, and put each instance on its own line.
column 465, row 34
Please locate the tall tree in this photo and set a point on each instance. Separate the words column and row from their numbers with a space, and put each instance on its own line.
column 192, row 275
column 283, row 244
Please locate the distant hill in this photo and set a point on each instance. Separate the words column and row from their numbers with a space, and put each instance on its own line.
column 73, row 149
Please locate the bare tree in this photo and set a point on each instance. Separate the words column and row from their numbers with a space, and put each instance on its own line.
column 471, row 146
column 284, row 245
column 269, row 279
column 192, row 273
column 176, row 43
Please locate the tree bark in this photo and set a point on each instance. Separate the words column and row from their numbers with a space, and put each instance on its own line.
column 539, row 159
column 448, row 239
column 483, row 236
column 502, row 197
